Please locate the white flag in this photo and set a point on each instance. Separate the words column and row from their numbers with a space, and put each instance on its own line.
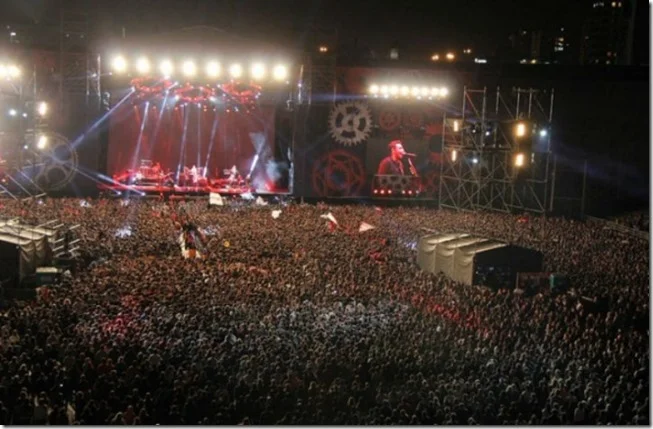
column 329, row 217
column 365, row 227
column 275, row 214
column 215, row 199
column 261, row 202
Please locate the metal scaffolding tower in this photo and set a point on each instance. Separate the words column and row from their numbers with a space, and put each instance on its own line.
column 79, row 70
column 487, row 164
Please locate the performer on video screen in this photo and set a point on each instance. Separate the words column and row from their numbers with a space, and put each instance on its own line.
column 393, row 165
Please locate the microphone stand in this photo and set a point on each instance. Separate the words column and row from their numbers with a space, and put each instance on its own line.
column 413, row 170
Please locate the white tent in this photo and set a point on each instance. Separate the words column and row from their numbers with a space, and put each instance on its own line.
column 42, row 251
column 474, row 260
column 427, row 246
column 445, row 254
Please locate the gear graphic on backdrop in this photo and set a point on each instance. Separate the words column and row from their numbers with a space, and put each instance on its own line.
column 59, row 163
column 389, row 119
column 350, row 123
column 338, row 173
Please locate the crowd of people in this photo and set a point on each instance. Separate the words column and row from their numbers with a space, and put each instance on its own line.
column 297, row 319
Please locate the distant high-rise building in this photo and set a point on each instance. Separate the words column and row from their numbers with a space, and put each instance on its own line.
column 561, row 50
column 605, row 33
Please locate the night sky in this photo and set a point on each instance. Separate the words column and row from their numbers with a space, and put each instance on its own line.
column 413, row 26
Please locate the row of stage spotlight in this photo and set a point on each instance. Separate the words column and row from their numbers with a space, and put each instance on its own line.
column 395, row 91
column 257, row 71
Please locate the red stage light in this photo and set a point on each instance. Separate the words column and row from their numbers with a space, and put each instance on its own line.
column 389, row 191
column 382, row 191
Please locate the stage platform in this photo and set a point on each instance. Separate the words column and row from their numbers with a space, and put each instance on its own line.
column 187, row 190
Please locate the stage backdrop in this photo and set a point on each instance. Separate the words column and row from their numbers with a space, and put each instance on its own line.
column 189, row 135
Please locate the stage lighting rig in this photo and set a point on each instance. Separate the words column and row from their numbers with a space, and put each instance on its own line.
column 42, row 142
column 280, row 73
column 213, row 69
column 143, row 65
column 9, row 71
column 167, row 68
column 258, row 71
column 119, row 64
column 188, row 68
column 42, row 109
column 236, row 71
column 404, row 91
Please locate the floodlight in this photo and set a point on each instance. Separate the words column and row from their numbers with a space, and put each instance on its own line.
column 405, row 91
column 456, row 126
column 435, row 57
column 454, row 155
column 384, row 89
column 258, row 71
column 12, row 112
column 394, row 90
column 444, row 92
column 119, row 64
column 3, row 71
column 450, row 56
column 143, row 65
column 424, row 92
column 14, row 71
column 280, row 73
column 543, row 132
column 374, row 89
column 188, row 68
column 435, row 92
column 213, row 69
column 520, row 129
column 167, row 68
column 236, row 71
column 475, row 160
column 42, row 108
column 519, row 160
column 414, row 91
column 42, row 142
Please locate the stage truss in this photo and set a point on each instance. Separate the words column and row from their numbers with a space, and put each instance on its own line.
column 479, row 151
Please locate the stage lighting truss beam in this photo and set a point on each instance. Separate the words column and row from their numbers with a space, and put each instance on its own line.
column 482, row 175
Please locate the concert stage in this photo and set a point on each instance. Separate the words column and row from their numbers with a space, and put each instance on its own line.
column 187, row 190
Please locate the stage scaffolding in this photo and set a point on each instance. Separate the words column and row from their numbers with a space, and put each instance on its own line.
column 479, row 151
column 79, row 69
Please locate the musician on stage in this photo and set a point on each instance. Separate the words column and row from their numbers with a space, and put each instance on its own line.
column 393, row 165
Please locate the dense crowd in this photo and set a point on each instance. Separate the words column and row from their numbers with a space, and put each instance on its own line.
column 288, row 320
column 637, row 220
